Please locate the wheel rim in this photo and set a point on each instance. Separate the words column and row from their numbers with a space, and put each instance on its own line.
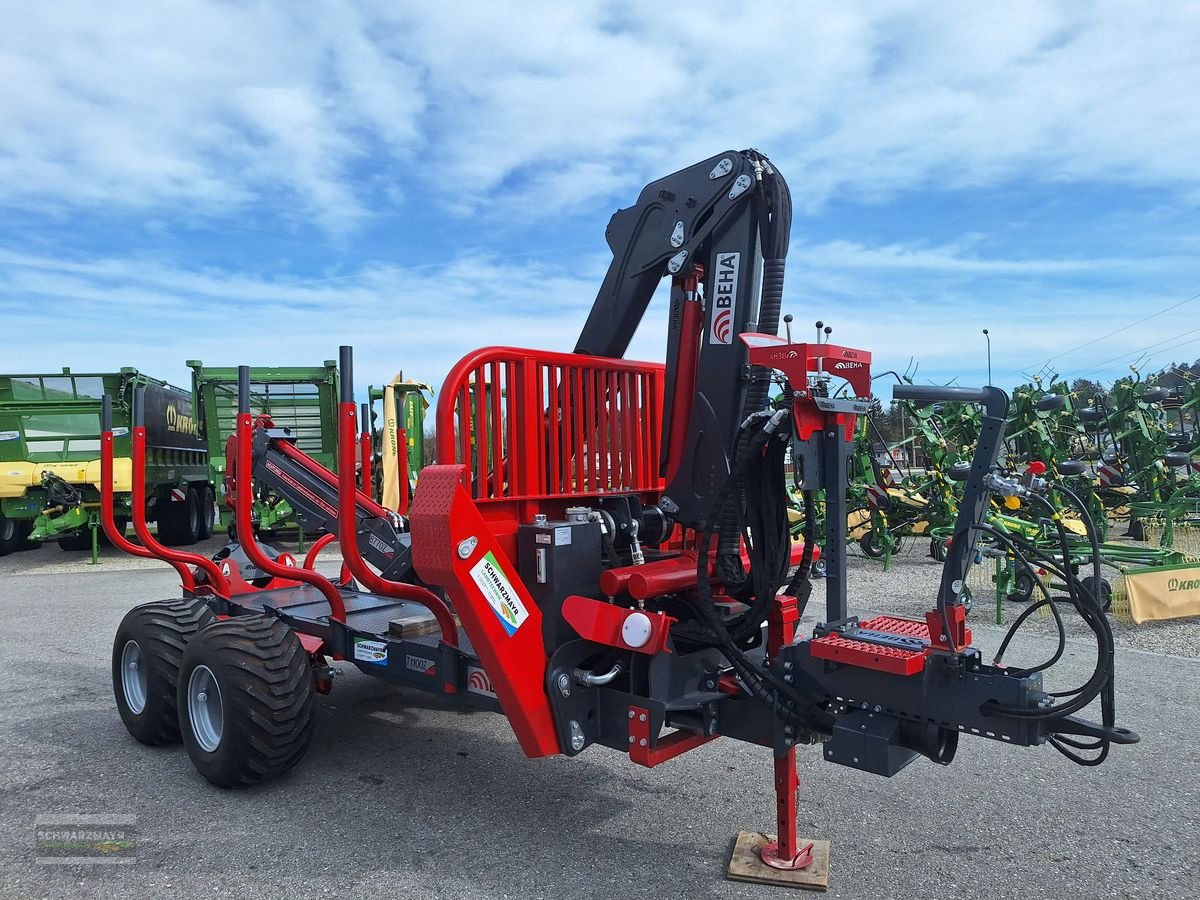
column 133, row 677
column 204, row 708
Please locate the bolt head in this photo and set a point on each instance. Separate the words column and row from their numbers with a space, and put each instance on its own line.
column 202, row 696
column 642, row 742
column 564, row 684
column 642, row 717
column 577, row 738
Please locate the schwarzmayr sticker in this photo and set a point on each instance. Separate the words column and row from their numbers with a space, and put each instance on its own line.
column 499, row 593
column 370, row 651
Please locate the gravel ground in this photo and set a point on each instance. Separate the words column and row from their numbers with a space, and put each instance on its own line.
column 403, row 795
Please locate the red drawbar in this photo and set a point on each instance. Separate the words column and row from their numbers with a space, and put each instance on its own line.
column 605, row 623
column 454, row 547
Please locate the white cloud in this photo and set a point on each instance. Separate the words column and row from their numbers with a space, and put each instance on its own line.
column 98, row 314
column 241, row 119
column 929, row 307
column 544, row 106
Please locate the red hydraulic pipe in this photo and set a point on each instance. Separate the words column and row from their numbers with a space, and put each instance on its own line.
column 115, row 536
column 669, row 576
column 402, row 470
column 245, row 520
column 364, row 453
column 319, row 544
column 691, row 324
column 216, row 578
column 348, row 538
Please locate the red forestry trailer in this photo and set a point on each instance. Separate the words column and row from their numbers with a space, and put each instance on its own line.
column 605, row 549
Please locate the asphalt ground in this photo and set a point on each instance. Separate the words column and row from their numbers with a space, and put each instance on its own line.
column 402, row 795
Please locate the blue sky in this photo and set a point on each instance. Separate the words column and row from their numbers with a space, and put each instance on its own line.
column 261, row 182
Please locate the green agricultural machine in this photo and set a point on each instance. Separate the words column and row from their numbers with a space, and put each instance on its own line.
column 50, row 459
column 944, row 436
column 1048, row 439
column 885, row 510
column 1141, row 452
column 300, row 399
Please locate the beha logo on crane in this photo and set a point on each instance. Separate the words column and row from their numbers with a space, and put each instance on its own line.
column 725, row 298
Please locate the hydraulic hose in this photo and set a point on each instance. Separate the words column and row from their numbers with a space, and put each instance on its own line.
column 774, row 204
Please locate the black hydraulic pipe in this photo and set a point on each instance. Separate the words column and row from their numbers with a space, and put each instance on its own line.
column 105, row 412
column 364, row 419
column 976, row 494
column 995, row 401
column 346, row 373
column 243, row 390
column 139, row 407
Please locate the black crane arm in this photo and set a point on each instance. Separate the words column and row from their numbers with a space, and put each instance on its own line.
column 714, row 222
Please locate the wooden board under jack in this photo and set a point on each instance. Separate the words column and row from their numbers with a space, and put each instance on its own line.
column 747, row 865
column 415, row 621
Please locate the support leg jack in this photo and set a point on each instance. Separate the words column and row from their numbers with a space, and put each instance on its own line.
column 782, row 859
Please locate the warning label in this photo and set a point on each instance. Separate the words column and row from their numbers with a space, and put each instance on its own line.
column 499, row 593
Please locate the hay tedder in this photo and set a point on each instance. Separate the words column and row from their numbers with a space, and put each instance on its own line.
column 604, row 547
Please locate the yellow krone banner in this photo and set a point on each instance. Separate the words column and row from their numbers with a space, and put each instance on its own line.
column 391, row 445
column 1166, row 592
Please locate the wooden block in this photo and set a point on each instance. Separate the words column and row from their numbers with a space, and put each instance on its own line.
column 747, row 865
column 413, row 622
